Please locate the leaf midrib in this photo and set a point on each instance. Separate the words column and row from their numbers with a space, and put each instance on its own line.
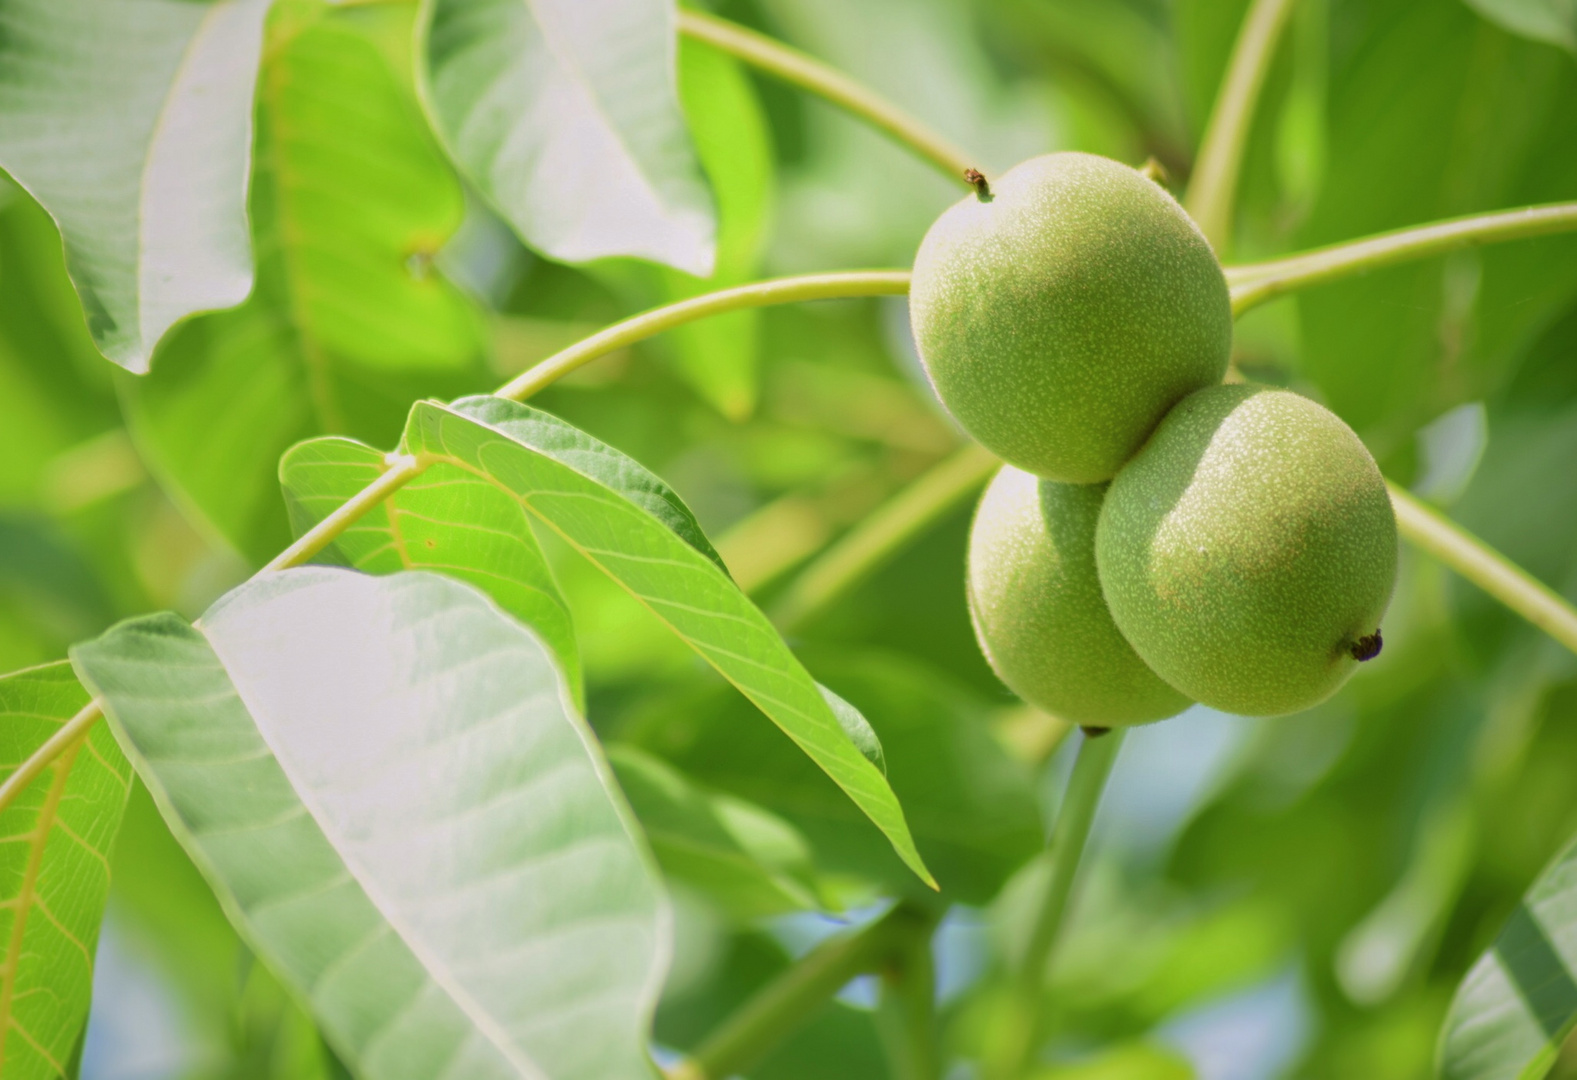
column 587, row 554
column 483, row 1020
column 24, row 905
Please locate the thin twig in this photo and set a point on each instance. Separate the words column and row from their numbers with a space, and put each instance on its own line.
column 888, row 528
column 1485, row 567
column 906, row 1012
column 1213, row 189
column 785, row 290
column 793, row 66
column 788, row 1001
column 403, row 468
column 62, row 740
column 1097, row 754
column 1255, row 283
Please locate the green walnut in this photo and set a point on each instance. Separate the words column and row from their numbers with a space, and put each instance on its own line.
column 1248, row 551
column 1060, row 313
column 1037, row 608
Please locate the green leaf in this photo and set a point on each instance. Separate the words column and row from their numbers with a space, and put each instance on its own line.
column 749, row 861
column 717, row 356
column 52, row 377
column 350, row 320
column 132, row 124
column 1519, row 1002
column 971, row 806
column 1481, row 121
column 357, row 220
column 568, row 445
column 602, row 504
column 445, row 520
column 47, row 587
column 1554, row 21
column 384, row 780
column 54, row 870
column 566, row 116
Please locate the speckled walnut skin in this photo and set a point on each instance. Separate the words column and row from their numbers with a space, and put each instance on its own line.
column 1037, row 607
column 1061, row 315
column 1248, row 548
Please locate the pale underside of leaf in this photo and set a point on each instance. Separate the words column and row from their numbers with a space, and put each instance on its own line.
column 565, row 113
column 445, row 520
column 54, row 871
column 385, row 782
column 132, row 124
column 349, row 321
column 682, row 586
column 1519, row 1002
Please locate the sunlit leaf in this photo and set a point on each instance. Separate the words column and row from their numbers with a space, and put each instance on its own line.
column 132, row 124
column 547, row 435
column 385, row 781
column 445, row 520
column 350, row 320
column 566, row 115
column 972, row 808
column 54, row 870
column 718, row 356
column 174, row 984
column 602, row 505
column 1481, row 121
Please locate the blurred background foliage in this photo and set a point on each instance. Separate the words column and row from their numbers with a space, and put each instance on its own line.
column 1294, row 897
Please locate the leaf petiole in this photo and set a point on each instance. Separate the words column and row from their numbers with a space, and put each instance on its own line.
column 811, row 74
column 888, row 528
column 67, row 736
column 1213, row 188
column 1485, row 567
column 403, row 467
column 1015, row 1041
column 1255, row 283
column 785, row 290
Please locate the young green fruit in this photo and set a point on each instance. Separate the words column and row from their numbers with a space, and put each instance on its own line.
column 1037, row 608
column 1249, row 549
column 1062, row 313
